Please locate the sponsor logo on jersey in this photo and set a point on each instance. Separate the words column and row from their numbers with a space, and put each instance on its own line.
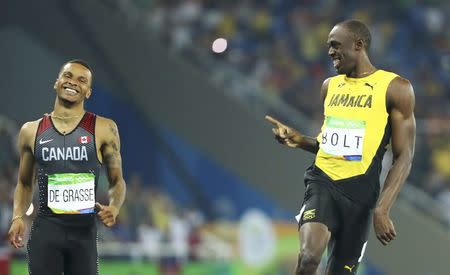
column 41, row 141
column 349, row 268
column 309, row 214
column 370, row 85
column 77, row 153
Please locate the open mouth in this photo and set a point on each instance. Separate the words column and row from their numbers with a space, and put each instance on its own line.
column 336, row 62
column 70, row 91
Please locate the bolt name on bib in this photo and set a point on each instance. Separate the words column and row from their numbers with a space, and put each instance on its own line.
column 71, row 193
column 343, row 138
column 78, row 153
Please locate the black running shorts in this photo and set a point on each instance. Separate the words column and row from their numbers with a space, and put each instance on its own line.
column 348, row 222
column 54, row 248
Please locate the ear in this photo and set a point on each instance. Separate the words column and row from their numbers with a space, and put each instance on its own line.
column 359, row 45
column 56, row 84
column 88, row 94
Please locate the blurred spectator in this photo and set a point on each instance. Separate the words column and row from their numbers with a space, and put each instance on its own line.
column 8, row 174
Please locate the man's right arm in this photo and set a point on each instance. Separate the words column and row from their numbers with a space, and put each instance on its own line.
column 291, row 137
column 24, row 188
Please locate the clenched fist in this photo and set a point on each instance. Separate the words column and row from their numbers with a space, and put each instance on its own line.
column 384, row 227
column 107, row 214
column 15, row 234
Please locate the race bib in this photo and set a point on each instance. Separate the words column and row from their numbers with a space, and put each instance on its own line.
column 71, row 193
column 343, row 138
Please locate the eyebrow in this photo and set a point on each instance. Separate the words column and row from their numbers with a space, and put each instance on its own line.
column 333, row 41
column 82, row 77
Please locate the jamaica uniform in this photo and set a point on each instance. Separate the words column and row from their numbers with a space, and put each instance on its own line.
column 342, row 186
column 64, row 236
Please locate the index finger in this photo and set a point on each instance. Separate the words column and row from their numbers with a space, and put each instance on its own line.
column 99, row 206
column 273, row 121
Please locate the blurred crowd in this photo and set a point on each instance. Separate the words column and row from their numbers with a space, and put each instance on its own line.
column 8, row 173
column 281, row 46
column 151, row 218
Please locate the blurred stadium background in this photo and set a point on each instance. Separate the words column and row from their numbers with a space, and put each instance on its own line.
column 209, row 191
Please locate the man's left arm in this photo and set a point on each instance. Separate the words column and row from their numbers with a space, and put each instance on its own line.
column 400, row 100
column 112, row 160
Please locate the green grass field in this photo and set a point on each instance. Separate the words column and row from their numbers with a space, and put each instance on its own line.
column 130, row 268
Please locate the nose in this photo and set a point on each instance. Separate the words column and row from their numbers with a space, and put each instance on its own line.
column 72, row 82
column 331, row 51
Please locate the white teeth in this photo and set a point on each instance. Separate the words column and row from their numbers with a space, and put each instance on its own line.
column 336, row 62
column 71, row 91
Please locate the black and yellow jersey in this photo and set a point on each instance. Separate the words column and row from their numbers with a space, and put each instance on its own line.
column 354, row 134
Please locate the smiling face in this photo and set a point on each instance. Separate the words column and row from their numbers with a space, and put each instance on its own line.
column 73, row 84
column 344, row 49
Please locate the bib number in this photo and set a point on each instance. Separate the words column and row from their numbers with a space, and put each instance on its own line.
column 71, row 193
column 343, row 138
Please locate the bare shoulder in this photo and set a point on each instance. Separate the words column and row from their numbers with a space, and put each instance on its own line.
column 29, row 128
column 27, row 133
column 106, row 128
column 400, row 94
column 401, row 85
column 105, row 122
column 324, row 88
column 326, row 82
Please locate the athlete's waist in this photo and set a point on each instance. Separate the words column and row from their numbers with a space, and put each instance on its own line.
column 68, row 169
column 341, row 168
column 363, row 189
column 70, row 220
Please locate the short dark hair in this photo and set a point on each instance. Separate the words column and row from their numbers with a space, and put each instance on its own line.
column 359, row 30
column 82, row 63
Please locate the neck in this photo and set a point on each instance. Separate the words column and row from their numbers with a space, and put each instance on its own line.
column 67, row 111
column 362, row 68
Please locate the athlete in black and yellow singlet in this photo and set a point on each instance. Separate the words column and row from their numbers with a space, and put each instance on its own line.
column 355, row 134
column 63, row 152
column 364, row 109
